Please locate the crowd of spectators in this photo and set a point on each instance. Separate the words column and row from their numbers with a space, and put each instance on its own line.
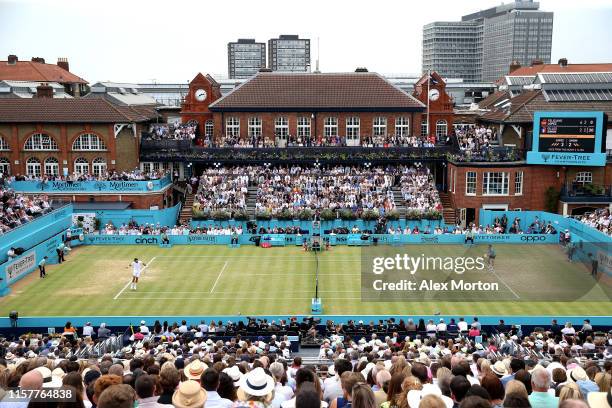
column 174, row 131
column 600, row 219
column 500, row 226
column 132, row 228
column 18, row 209
column 331, row 141
column 418, row 189
column 474, row 139
column 223, row 188
column 297, row 188
column 382, row 364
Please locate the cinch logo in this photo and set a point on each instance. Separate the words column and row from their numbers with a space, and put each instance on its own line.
column 146, row 240
column 533, row 238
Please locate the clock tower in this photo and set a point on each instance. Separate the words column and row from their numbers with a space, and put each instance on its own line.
column 203, row 90
column 431, row 90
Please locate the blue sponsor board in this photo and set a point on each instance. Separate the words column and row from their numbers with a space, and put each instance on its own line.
column 348, row 239
column 110, row 186
column 568, row 139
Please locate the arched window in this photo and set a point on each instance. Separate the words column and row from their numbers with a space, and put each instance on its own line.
column 33, row 167
column 99, row 166
column 88, row 141
column 441, row 129
column 5, row 166
column 81, row 166
column 209, row 128
column 40, row 141
column 3, row 144
column 51, row 167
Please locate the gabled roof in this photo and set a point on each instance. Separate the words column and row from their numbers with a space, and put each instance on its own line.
column 523, row 106
column 37, row 72
column 556, row 68
column 356, row 91
column 47, row 110
column 494, row 98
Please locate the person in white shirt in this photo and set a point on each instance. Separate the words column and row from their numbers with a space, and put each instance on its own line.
column 87, row 329
column 568, row 330
column 441, row 327
column 137, row 267
column 143, row 327
column 462, row 325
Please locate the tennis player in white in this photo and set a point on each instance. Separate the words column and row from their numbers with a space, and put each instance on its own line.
column 137, row 267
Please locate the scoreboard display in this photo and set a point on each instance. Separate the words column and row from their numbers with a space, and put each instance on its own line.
column 568, row 138
column 576, row 135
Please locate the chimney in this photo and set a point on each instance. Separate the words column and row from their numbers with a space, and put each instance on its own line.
column 537, row 62
column 563, row 62
column 12, row 59
column 38, row 60
column 63, row 63
column 514, row 65
column 44, row 90
column 361, row 69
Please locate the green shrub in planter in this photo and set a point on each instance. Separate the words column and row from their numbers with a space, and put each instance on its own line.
column 220, row 215
column 392, row 215
column 328, row 215
column 305, row 215
column 200, row 214
column 413, row 215
column 433, row 215
column 348, row 215
column 284, row 215
column 369, row 215
column 241, row 215
column 263, row 215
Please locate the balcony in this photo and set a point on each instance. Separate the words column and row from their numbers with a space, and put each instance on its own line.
column 302, row 155
column 586, row 193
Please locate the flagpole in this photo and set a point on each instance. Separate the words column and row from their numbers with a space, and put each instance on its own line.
column 428, row 80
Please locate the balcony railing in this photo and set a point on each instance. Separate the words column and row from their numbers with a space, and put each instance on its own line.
column 586, row 193
column 355, row 154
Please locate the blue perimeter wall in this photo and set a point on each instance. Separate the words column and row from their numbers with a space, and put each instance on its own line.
column 165, row 217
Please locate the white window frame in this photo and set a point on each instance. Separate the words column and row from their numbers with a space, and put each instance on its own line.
column 402, row 126
column 80, row 164
column 441, row 129
column 88, row 142
column 33, row 167
column 518, row 183
column 303, row 126
column 379, row 126
column 99, row 166
column 5, row 166
column 584, row 177
column 330, row 126
column 255, row 126
column 424, row 128
column 281, row 127
column 4, row 144
column 353, row 127
column 491, row 179
column 471, row 183
column 232, row 126
column 51, row 166
column 40, row 142
column 209, row 128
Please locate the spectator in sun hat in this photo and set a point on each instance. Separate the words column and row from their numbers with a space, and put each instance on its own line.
column 256, row 388
column 49, row 381
column 234, row 373
column 600, row 399
column 194, row 370
column 143, row 327
column 499, row 369
column 580, row 377
column 189, row 394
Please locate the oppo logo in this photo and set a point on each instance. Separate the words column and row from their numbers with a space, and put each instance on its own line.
column 533, row 238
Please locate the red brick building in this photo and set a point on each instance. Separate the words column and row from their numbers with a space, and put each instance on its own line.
column 203, row 90
column 431, row 91
column 351, row 106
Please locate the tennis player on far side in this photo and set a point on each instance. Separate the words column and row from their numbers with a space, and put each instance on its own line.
column 490, row 255
column 137, row 267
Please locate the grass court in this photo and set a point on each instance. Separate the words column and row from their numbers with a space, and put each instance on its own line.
column 217, row 280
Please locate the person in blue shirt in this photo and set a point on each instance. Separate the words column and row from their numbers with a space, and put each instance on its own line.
column 41, row 267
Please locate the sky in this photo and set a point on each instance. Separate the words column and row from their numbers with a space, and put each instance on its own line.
column 171, row 41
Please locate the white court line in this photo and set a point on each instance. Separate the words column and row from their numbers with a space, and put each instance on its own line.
column 128, row 284
column 227, row 298
column 218, row 276
column 247, row 293
column 247, row 257
column 505, row 284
